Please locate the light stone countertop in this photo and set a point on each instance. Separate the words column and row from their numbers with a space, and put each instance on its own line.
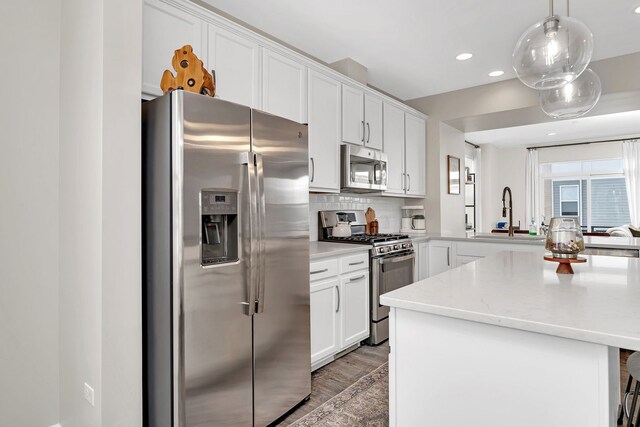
column 324, row 249
column 600, row 303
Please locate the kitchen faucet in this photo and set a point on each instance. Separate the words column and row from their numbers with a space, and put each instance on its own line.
column 504, row 208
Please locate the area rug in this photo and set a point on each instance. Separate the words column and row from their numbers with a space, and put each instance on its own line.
column 364, row 403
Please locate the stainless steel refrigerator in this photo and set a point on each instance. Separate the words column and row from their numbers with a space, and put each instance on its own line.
column 225, row 263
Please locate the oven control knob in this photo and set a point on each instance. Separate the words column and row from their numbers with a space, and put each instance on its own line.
column 396, row 247
column 404, row 246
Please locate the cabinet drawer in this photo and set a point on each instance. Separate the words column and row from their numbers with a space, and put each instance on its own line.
column 323, row 269
column 354, row 263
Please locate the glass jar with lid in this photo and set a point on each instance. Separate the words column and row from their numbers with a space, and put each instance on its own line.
column 564, row 238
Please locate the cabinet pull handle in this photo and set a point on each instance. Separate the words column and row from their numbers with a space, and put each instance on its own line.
column 338, row 307
column 324, row 270
column 356, row 263
column 313, row 169
column 409, row 187
column 362, row 132
column 368, row 132
column 353, row 279
column 448, row 257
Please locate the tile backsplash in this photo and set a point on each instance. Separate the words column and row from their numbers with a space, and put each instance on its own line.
column 387, row 209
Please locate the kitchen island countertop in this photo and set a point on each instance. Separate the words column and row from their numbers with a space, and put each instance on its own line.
column 519, row 290
column 589, row 241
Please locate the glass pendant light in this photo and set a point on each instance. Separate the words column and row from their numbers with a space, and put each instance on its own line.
column 553, row 52
column 574, row 99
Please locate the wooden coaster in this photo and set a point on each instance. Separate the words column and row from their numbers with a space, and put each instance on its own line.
column 564, row 266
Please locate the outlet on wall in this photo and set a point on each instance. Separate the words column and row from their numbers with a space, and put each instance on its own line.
column 89, row 394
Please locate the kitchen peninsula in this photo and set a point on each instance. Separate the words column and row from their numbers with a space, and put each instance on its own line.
column 507, row 328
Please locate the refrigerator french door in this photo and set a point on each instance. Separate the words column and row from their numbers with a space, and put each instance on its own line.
column 225, row 196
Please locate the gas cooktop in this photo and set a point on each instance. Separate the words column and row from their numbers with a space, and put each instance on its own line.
column 367, row 239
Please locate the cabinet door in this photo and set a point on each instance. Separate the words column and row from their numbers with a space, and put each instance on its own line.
column 165, row 29
column 422, row 259
column 236, row 61
column 284, row 87
column 353, row 126
column 373, row 121
column 393, row 139
column 354, row 307
column 324, row 133
column 440, row 257
column 324, row 319
column 415, row 161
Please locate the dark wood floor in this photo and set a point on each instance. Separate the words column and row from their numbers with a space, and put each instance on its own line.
column 335, row 377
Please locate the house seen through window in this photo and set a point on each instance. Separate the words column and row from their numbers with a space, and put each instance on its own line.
column 593, row 191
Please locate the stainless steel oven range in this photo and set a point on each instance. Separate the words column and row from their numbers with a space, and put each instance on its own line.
column 391, row 263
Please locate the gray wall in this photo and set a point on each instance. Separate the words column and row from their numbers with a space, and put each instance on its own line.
column 100, row 301
column 29, row 39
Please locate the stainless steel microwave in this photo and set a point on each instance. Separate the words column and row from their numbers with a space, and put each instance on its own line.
column 363, row 169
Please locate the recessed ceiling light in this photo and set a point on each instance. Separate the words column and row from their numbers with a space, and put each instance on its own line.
column 464, row 56
column 637, row 9
column 551, row 133
column 496, row 73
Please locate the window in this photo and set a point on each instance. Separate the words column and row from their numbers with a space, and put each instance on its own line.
column 594, row 192
column 570, row 200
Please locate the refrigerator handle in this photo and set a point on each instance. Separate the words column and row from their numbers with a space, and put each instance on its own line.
column 261, row 207
column 249, row 160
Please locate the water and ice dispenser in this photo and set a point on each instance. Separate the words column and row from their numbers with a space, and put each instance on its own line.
column 219, row 227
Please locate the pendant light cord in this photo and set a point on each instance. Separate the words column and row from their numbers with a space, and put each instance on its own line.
column 550, row 7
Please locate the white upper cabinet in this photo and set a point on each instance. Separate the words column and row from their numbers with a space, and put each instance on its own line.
column 353, row 126
column 361, row 118
column 165, row 29
column 373, row 121
column 393, row 137
column 236, row 61
column 324, row 132
column 415, row 161
column 284, row 86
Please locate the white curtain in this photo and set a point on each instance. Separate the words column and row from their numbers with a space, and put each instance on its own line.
column 532, row 184
column 631, row 158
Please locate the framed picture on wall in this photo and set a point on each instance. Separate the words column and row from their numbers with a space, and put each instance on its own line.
column 454, row 174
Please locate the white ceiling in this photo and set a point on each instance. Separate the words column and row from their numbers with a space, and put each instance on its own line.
column 582, row 129
column 409, row 46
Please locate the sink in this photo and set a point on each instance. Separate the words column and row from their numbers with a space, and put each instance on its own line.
column 501, row 236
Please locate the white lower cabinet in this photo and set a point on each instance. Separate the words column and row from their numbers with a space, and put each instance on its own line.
column 437, row 256
column 354, row 307
column 440, row 257
column 339, row 305
column 324, row 318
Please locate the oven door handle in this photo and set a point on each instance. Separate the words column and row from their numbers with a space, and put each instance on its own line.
column 391, row 260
